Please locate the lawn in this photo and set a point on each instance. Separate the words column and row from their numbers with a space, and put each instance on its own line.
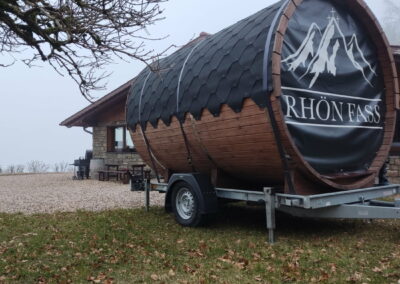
column 132, row 246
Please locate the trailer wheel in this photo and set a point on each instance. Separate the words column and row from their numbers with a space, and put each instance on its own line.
column 185, row 205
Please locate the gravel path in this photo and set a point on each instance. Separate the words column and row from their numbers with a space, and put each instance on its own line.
column 48, row 193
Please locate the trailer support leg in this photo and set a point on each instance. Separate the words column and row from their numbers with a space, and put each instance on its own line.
column 147, row 192
column 270, row 214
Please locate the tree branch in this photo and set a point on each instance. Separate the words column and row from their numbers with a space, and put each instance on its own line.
column 79, row 37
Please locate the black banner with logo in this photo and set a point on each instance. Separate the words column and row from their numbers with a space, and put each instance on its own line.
column 333, row 95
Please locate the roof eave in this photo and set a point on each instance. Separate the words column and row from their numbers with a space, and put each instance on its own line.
column 82, row 117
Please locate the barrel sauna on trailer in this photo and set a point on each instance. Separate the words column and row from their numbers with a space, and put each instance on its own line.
column 299, row 96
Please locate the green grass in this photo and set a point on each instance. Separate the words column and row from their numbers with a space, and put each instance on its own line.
column 132, row 246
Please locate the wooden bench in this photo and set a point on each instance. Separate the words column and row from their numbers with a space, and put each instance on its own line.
column 121, row 175
column 124, row 175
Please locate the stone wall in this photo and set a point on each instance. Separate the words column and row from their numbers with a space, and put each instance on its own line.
column 100, row 148
column 394, row 169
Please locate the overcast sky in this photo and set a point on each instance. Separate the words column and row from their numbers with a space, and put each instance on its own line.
column 34, row 101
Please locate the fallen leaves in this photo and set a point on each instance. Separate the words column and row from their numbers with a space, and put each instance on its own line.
column 324, row 276
column 256, row 256
column 203, row 245
column 377, row 269
column 188, row 269
column 159, row 255
column 333, row 267
column 356, row 277
column 195, row 253
column 233, row 258
column 101, row 278
column 154, row 251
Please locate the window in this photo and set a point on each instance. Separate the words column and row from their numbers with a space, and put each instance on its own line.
column 119, row 140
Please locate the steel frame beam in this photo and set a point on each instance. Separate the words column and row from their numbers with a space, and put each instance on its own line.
column 345, row 211
column 353, row 204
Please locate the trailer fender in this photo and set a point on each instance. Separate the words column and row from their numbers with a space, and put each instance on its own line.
column 208, row 202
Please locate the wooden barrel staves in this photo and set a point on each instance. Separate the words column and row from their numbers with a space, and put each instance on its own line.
column 300, row 95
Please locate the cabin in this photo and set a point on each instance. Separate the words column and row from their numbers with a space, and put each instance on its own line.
column 111, row 139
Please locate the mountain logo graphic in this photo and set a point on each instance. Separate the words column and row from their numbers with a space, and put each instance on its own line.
column 324, row 58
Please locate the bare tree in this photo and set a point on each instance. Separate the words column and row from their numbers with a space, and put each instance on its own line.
column 37, row 167
column 11, row 169
column 64, row 167
column 78, row 37
column 61, row 167
column 56, row 168
column 19, row 169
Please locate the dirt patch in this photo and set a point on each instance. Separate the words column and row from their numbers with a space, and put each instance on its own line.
column 49, row 193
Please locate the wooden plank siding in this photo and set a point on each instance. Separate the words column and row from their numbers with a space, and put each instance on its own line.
column 244, row 144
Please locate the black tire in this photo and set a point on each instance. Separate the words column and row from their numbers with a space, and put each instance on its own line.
column 186, row 206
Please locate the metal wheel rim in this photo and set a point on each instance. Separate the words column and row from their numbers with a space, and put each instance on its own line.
column 185, row 204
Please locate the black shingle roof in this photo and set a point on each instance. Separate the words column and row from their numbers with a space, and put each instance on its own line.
column 224, row 68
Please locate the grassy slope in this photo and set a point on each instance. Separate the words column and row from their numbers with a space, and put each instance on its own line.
column 132, row 246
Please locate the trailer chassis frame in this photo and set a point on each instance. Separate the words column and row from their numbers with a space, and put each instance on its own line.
column 352, row 204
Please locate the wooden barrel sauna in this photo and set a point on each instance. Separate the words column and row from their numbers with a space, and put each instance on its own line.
column 301, row 96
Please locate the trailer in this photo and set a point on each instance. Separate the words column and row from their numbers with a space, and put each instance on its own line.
column 193, row 199
column 300, row 97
